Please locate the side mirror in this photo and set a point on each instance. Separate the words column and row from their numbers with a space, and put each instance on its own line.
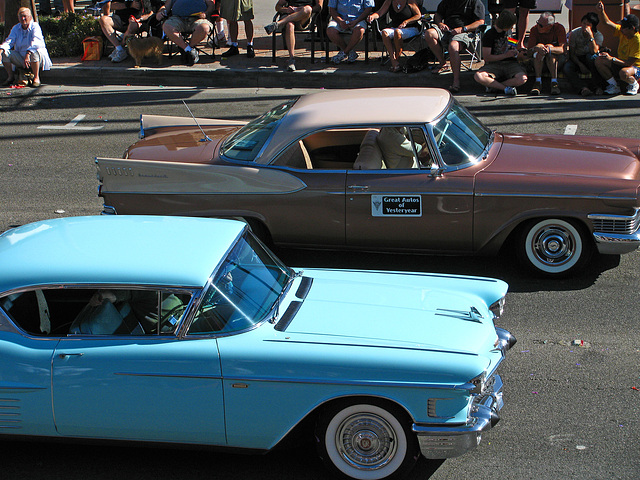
column 435, row 171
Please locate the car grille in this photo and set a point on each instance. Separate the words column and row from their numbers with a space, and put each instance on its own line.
column 618, row 224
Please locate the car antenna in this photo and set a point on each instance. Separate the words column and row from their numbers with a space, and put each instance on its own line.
column 206, row 137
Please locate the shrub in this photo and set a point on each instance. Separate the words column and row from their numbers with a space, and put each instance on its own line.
column 63, row 35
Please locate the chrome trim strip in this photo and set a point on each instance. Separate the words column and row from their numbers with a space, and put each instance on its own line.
column 170, row 375
column 540, row 195
column 355, row 383
column 390, row 347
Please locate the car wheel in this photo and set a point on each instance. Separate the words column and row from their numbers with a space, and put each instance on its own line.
column 366, row 441
column 554, row 247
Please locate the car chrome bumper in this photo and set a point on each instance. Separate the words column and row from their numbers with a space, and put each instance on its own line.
column 616, row 234
column 442, row 441
column 616, row 244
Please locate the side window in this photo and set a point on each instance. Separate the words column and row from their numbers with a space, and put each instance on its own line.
column 422, row 147
column 295, row 156
column 391, row 147
column 79, row 311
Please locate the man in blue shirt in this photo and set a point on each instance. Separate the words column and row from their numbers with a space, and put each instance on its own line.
column 348, row 16
column 188, row 16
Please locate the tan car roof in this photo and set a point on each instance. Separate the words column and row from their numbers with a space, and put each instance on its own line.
column 358, row 107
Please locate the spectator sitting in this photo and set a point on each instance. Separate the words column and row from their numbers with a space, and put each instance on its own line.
column 547, row 40
column 126, row 18
column 584, row 44
column 501, row 70
column 348, row 16
column 627, row 64
column 452, row 22
column 405, row 15
column 188, row 16
column 294, row 15
column 25, row 48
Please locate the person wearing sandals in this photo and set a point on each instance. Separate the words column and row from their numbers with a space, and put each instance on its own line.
column 404, row 15
column 453, row 21
column 584, row 44
column 294, row 15
column 501, row 71
column 24, row 48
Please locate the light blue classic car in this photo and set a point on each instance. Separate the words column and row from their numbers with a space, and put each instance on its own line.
column 106, row 321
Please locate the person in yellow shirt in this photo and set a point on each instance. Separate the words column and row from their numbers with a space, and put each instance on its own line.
column 627, row 62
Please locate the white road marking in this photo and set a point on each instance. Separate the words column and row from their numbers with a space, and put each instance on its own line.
column 72, row 125
column 571, row 129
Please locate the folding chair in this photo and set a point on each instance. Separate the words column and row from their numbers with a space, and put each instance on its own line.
column 315, row 29
column 474, row 51
column 413, row 41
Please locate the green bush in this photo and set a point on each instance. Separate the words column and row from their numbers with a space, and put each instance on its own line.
column 63, row 35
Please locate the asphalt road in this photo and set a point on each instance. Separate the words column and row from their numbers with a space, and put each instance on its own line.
column 570, row 411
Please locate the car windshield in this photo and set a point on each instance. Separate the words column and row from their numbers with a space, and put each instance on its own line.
column 460, row 137
column 246, row 143
column 243, row 291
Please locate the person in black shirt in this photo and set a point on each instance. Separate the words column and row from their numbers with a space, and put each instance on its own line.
column 453, row 21
column 127, row 17
column 501, row 71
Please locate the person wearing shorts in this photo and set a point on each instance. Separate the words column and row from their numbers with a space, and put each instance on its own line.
column 523, row 7
column 405, row 15
column 501, row 71
column 126, row 18
column 348, row 17
column 626, row 64
column 453, row 22
column 234, row 11
column 294, row 15
column 188, row 16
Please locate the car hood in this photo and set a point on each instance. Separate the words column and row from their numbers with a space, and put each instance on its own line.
column 568, row 155
column 180, row 145
column 412, row 311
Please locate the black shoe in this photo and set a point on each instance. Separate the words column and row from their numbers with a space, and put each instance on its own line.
column 192, row 57
column 233, row 50
column 250, row 52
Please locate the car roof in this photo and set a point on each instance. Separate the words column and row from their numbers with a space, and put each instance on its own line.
column 363, row 106
column 119, row 249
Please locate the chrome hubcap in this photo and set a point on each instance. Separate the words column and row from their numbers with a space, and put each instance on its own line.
column 366, row 441
column 553, row 245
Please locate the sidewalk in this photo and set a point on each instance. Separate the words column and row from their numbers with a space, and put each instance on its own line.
column 241, row 71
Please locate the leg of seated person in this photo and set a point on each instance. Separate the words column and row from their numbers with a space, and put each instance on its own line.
column 6, row 62
column 174, row 35
column 199, row 34
column 552, row 64
column 454, row 58
column 387, row 41
column 336, row 38
column 432, row 39
column 34, row 65
column 106, row 23
column 397, row 43
column 290, row 38
column 356, row 36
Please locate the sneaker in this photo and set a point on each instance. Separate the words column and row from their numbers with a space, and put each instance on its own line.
column 536, row 89
column 272, row 27
column 632, row 89
column 352, row 57
column 233, row 50
column 612, row 89
column 555, row 89
column 192, row 57
column 119, row 56
column 291, row 65
column 339, row 57
column 113, row 52
column 250, row 51
column 510, row 91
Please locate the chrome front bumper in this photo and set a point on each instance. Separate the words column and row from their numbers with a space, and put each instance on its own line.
column 616, row 234
column 443, row 441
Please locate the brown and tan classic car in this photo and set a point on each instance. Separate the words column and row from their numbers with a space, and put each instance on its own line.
column 398, row 169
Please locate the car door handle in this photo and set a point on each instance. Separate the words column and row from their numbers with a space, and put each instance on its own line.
column 358, row 188
column 66, row 355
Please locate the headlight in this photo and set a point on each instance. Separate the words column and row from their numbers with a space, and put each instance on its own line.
column 497, row 308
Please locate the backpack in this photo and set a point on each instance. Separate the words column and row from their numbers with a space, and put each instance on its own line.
column 419, row 61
